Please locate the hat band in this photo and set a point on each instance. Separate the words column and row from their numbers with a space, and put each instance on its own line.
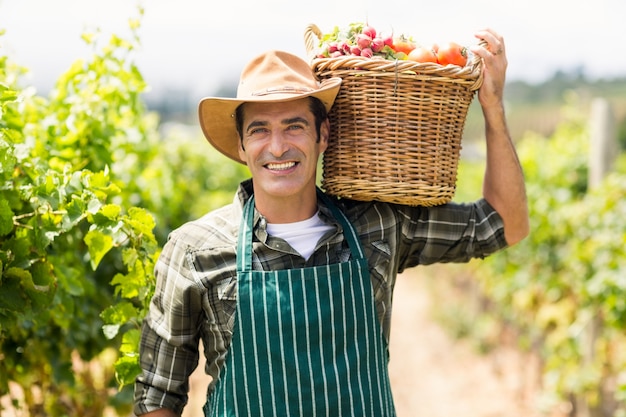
column 282, row 89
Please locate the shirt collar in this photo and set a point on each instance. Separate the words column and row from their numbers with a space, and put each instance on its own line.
column 244, row 192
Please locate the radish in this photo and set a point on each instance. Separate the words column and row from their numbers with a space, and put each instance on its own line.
column 363, row 41
column 377, row 44
column 369, row 31
column 367, row 53
column 344, row 47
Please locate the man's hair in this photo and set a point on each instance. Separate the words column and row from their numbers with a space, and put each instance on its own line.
column 315, row 105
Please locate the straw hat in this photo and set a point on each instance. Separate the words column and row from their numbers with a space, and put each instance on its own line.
column 271, row 77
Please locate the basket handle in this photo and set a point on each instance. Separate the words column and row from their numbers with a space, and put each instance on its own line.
column 312, row 35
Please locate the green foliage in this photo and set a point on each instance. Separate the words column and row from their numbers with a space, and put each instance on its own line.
column 65, row 222
column 564, row 285
column 89, row 193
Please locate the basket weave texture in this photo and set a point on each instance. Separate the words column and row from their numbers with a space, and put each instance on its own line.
column 396, row 126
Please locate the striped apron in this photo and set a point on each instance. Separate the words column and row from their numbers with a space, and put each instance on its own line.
column 306, row 342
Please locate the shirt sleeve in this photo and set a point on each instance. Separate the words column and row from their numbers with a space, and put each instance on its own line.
column 451, row 233
column 170, row 335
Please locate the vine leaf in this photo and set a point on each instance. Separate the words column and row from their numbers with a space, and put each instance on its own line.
column 98, row 244
column 6, row 218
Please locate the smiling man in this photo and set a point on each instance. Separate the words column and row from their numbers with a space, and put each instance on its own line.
column 281, row 145
column 290, row 290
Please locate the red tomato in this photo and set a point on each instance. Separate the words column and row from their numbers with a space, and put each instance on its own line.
column 422, row 54
column 403, row 44
column 452, row 53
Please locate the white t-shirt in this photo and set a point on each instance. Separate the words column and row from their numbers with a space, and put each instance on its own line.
column 302, row 236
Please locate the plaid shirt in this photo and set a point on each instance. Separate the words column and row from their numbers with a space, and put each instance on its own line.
column 195, row 297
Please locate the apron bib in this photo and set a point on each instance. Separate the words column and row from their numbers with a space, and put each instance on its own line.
column 306, row 342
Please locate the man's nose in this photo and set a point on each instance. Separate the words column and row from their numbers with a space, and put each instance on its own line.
column 278, row 145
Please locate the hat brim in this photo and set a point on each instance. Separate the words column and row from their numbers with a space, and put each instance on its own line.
column 217, row 114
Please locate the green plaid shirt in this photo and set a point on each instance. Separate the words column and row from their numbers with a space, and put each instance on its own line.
column 195, row 297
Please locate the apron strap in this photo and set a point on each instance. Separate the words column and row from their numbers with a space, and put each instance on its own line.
column 350, row 234
column 244, row 240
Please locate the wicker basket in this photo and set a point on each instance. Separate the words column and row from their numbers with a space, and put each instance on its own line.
column 396, row 127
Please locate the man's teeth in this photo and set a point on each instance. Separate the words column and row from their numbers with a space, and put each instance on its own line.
column 281, row 166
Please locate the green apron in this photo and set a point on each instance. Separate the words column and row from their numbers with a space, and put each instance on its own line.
column 306, row 342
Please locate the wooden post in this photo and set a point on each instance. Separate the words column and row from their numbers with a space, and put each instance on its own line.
column 603, row 151
column 604, row 146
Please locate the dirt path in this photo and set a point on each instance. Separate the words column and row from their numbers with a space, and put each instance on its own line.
column 433, row 375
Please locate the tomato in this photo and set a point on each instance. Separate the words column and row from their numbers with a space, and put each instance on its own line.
column 422, row 54
column 452, row 53
column 403, row 44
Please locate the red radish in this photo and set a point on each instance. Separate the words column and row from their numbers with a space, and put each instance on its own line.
column 363, row 41
column 344, row 47
column 367, row 53
column 369, row 31
column 377, row 44
column 355, row 50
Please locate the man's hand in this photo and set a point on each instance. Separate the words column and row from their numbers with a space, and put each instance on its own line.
column 495, row 63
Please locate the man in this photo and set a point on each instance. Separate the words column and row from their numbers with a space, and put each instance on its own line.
column 289, row 289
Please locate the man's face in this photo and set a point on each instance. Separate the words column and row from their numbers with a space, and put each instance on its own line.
column 281, row 148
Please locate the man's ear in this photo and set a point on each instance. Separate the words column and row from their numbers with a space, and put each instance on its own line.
column 241, row 150
column 324, row 135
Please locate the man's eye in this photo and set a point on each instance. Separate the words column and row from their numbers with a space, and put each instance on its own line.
column 295, row 127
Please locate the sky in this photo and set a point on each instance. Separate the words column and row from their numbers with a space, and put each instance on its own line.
column 197, row 45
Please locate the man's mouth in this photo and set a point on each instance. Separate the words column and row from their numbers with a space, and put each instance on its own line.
column 282, row 166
